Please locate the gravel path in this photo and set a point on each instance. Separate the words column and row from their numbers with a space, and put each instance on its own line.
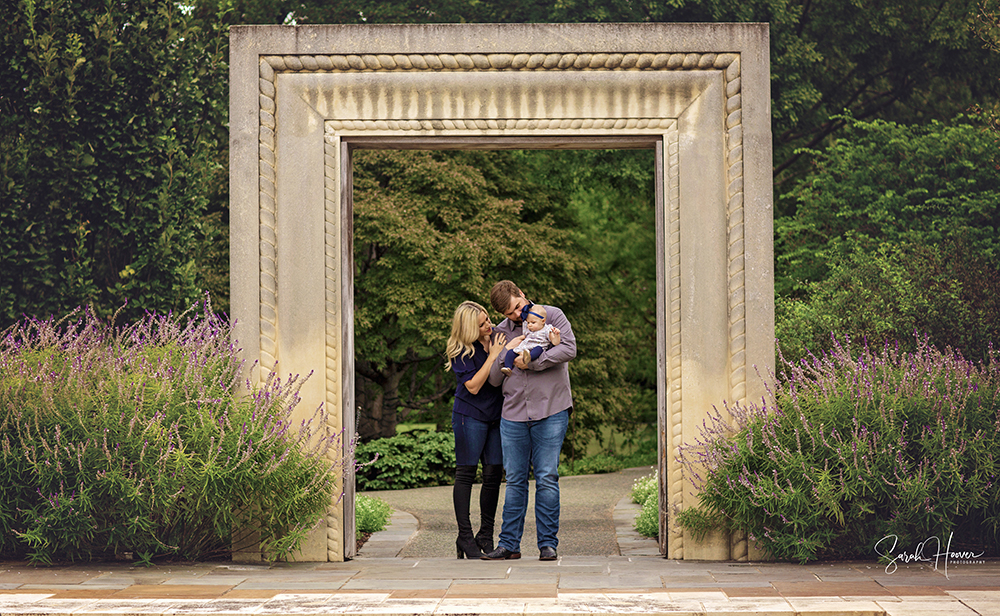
column 586, row 523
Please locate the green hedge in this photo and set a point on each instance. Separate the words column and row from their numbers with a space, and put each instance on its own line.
column 413, row 459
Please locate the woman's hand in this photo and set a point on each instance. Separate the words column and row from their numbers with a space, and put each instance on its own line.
column 554, row 336
column 514, row 342
column 496, row 345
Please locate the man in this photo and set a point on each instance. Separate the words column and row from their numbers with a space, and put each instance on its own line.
column 536, row 407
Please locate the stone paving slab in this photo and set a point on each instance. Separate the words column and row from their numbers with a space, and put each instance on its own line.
column 568, row 587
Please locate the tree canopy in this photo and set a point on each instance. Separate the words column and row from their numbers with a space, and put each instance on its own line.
column 909, row 61
column 888, row 182
column 433, row 229
column 113, row 183
column 897, row 232
column 112, row 148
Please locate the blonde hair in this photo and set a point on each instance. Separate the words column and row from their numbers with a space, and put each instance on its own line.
column 464, row 331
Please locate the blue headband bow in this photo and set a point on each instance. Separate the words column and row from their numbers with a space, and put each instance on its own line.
column 527, row 310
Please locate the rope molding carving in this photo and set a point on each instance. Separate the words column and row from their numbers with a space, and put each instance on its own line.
column 332, row 283
column 500, row 62
column 737, row 279
column 727, row 63
column 674, row 427
column 268, row 234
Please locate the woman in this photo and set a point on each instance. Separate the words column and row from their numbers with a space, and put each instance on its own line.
column 475, row 419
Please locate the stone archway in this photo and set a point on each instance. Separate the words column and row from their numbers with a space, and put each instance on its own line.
column 303, row 98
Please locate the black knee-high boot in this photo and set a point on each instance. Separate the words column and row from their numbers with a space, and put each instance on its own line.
column 488, row 497
column 465, row 545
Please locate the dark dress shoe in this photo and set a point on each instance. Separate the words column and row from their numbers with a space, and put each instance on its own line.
column 547, row 553
column 502, row 554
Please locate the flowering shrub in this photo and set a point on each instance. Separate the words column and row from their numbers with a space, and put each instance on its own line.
column 141, row 439
column 644, row 487
column 646, row 492
column 854, row 446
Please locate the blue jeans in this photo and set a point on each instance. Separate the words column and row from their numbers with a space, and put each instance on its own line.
column 532, row 445
column 476, row 441
column 511, row 355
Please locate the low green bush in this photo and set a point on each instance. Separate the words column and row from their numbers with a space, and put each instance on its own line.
column 645, row 487
column 647, row 523
column 646, row 492
column 413, row 459
column 371, row 514
column 141, row 439
column 592, row 465
column 644, row 455
column 855, row 446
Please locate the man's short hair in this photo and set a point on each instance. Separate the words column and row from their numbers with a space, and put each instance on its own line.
column 501, row 293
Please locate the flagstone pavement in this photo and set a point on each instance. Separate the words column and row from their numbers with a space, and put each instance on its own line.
column 637, row 580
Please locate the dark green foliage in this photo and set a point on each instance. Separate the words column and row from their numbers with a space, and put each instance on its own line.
column 886, row 182
column 609, row 197
column 138, row 439
column 112, row 137
column 947, row 291
column 909, row 61
column 897, row 231
column 855, row 446
column 413, row 459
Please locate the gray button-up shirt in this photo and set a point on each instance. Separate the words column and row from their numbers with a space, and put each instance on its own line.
column 542, row 389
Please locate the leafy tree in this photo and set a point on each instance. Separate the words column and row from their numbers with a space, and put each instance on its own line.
column 610, row 197
column 901, row 60
column 987, row 24
column 947, row 292
column 897, row 231
column 886, row 182
column 433, row 229
column 112, row 135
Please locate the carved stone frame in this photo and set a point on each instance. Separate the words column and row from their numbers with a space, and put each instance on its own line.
column 303, row 98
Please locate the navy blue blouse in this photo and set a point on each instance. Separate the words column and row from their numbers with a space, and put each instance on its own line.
column 484, row 406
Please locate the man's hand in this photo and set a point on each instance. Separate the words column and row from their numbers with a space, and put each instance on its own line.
column 519, row 363
column 514, row 342
column 554, row 337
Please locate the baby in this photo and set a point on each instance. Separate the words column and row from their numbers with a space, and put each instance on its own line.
column 536, row 338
